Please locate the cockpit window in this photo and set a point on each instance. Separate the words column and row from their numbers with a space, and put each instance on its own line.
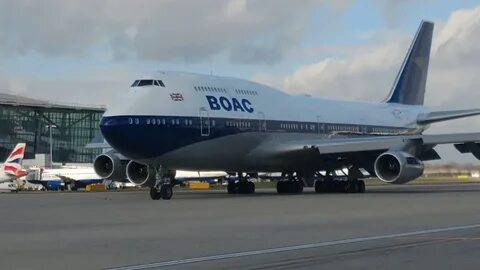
column 140, row 83
column 135, row 83
column 145, row 83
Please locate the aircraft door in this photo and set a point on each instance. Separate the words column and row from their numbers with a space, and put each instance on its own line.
column 320, row 125
column 262, row 123
column 204, row 122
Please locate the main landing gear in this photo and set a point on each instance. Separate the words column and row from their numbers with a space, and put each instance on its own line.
column 340, row 186
column 349, row 183
column 163, row 187
column 293, row 185
column 289, row 187
column 242, row 186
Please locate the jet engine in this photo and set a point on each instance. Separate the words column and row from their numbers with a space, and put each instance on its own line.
column 111, row 166
column 397, row 167
column 140, row 174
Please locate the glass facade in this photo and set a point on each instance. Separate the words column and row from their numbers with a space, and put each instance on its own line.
column 71, row 129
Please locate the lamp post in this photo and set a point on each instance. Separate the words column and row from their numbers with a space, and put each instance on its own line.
column 51, row 144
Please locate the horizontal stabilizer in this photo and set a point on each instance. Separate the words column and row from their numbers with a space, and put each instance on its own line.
column 98, row 145
column 445, row 115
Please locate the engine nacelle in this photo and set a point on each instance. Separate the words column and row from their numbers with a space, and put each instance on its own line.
column 397, row 167
column 111, row 166
column 140, row 174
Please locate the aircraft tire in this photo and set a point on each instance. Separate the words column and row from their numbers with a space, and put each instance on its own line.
column 232, row 188
column 166, row 192
column 280, row 187
column 341, row 186
column 250, row 187
column 154, row 194
column 320, row 186
column 298, row 187
column 349, row 186
column 73, row 186
column 361, row 186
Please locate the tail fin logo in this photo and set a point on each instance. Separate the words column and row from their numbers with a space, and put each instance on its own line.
column 17, row 154
column 421, row 62
column 13, row 164
column 409, row 86
column 15, row 169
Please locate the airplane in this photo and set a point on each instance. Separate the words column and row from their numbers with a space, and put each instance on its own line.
column 61, row 178
column 205, row 176
column 181, row 178
column 12, row 168
column 10, row 186
column 170, row 121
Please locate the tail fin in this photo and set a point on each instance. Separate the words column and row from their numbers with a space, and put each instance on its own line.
column 13, row 164
column 409, row 86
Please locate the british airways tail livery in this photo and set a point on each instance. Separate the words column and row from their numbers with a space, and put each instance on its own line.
column 12, row 168
column 179, row 121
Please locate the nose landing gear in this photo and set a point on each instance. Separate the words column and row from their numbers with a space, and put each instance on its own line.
column 163, row 187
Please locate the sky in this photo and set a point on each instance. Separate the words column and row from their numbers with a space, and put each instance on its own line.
column 85, row 52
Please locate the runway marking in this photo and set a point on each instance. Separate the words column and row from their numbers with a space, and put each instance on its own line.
column 292, row 248
column 444, row 238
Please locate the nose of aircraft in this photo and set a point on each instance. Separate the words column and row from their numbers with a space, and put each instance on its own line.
column 144, row 137
column 129, row 137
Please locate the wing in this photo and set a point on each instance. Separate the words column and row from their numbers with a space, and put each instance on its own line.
column 363, row 149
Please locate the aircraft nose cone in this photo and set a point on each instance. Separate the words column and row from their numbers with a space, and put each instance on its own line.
column 144, row 137
column 129, row 137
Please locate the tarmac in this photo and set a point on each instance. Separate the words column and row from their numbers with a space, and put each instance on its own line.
column 388, row 227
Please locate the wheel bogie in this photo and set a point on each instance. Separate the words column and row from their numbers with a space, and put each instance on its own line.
column 241, row 187
column 289, row 187
column 336, row 186
column 164, row 192
column 154, row 194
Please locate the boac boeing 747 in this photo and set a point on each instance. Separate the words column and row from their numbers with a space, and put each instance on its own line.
column 179, row 121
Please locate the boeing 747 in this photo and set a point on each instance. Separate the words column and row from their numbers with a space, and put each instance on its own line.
column 172, row 121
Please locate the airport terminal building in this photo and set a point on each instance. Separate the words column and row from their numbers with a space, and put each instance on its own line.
column 37, row 123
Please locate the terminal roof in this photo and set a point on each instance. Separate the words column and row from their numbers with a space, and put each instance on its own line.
column 15, row 100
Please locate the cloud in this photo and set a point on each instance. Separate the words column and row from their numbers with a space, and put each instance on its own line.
column 368, row 74
column 247, row 31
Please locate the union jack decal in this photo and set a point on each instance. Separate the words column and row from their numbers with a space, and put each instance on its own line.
column 176, row 96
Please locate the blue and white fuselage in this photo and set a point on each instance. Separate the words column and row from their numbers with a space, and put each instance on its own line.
column 171, row 120
column 56, row 179
column 201, row 122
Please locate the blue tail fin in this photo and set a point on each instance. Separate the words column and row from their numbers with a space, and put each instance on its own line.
column 409, row 86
